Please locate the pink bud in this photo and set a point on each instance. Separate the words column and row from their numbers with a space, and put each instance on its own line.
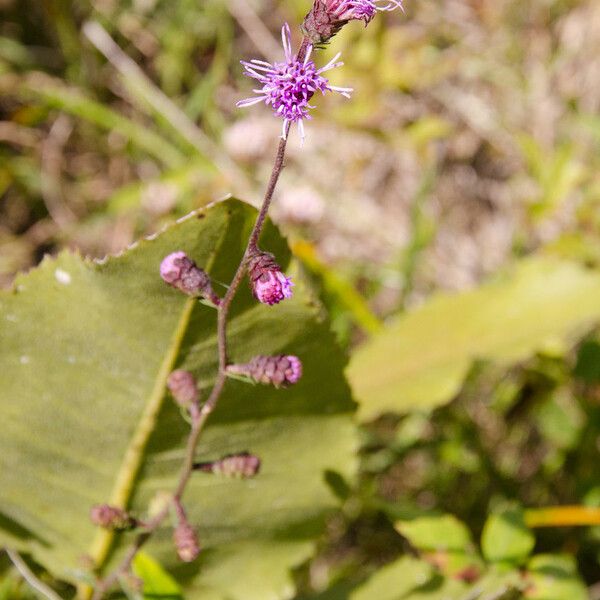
column 181, row 272
column 182, row 385
column 281, row 370
column 185, row 537
column 112, row 517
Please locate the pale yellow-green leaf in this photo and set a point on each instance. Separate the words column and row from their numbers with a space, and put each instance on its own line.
column 420, row 360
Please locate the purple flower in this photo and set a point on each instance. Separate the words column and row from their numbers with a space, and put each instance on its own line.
column 269, row 285
column 288, row 86
column 360, row 10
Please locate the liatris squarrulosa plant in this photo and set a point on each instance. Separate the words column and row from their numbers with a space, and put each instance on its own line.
column 287, row 87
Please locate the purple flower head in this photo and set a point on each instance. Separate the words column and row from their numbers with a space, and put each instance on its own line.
column 288, row 86
column 269, row 285
column 360, row 10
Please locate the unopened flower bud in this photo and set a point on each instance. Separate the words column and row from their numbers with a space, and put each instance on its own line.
column 242, row 465
column 269, row 285
column 112, row 517
column 327, row 17
column 185, row 537
column 183, row 387
column 321, row 24
column 280, row 370
column 180, row 271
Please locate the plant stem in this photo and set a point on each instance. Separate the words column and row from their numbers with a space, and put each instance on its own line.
column 30, row 577
column 200, row 418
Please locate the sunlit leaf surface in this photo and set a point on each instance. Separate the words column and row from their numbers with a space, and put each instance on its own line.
column 85, row 349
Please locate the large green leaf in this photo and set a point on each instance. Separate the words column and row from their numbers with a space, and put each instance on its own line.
column 554, row 577
column 429, row 533
column 85, row 349
column 395, row 580
column 420, row 360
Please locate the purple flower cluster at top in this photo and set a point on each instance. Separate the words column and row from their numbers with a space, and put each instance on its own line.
column 360, row 10
column 288, row 86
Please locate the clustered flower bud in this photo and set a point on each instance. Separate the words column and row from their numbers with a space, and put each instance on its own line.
column 321, row 24
column 327, row 17
column 112, row 517
column 242, row 465
column 269, row 285
column 181, row 272
column 280, row 370
column 185, row 537
column 183, row 387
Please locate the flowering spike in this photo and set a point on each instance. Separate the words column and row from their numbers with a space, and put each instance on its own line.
column 112, row 517
column 242, row 465
column 269, row 285
column 288, row 86
column 180, row 271
column 185, row 537
column 183, row 387
column 280, row 370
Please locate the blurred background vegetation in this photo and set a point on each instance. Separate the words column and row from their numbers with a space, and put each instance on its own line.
column 472, row 140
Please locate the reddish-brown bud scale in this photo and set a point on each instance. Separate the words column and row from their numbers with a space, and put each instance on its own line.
column 112, row 517
column 242, row 465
